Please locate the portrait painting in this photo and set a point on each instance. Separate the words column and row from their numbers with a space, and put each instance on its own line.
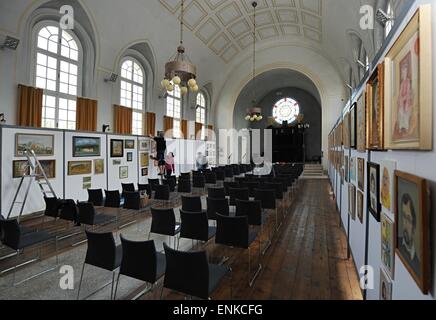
column 20, row 168
column 144, row 145
column 387, row 169
column 124, row 172
column 387, row 245
column 373, row 179
column 41, row 144
column 86, row 147
column 360, row 198
column 361, row 173
column 144, row 156
column 412, row 226
column 79, row 168
column 129, row 144
column 117, row 148
column 352, row 201
column 49, row 167
column 361, row 124
column 375, row 110
column 385, row 287
column 353, row 126
column 408, row 121
column 98, row 166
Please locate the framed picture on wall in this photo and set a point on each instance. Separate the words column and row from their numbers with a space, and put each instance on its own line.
column 79, row 168
column 385, row 286
column 412, row 226
column 387, row 170
column 116, row 162
column 408, row 86
column 361, row 124
column 49, row 167
column 129, row 144
column 361, row 173
column 117, row 148
column 373, row 172
column 347, row 168
column 360, row 198
column 86, row 147
column 352, row 201
column 346, row 131
column 144, row 156
column 388, row 245
column 124, row 172
column 129, row 156
column 353, row 126
column 42, row 144
column 353, row 169
column 20, row 168
column 98, row 166
column 144, row 145
column 375, row 109
column 144, row 172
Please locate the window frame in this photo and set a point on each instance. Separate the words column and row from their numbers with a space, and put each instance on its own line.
column 204, row 109
column 177, row 122
column 284, row 100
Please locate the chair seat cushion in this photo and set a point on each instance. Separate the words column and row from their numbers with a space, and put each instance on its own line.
column 32, row 238
column 216, row 274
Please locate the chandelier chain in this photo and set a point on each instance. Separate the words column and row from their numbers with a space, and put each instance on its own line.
column 254, row 54
column 181, row 22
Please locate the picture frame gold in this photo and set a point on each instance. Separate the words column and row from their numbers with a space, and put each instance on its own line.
column 375, row 96
column 361, row 123
column 77, row 168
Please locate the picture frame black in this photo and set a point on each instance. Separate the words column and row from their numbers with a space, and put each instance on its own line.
column 353, row 126
column 375, row 212
column 129, row 156
column 117, row 148
column 77, row 140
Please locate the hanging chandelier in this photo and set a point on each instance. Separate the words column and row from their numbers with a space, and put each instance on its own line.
column 255, row 112
column 180, row 71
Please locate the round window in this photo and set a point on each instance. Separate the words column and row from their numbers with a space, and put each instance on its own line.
column 286, row 109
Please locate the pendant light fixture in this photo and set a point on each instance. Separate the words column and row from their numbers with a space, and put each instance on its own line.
column 180, row 71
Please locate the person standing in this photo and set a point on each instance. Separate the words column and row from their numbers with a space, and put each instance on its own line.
column 161, row 147
column 170, row 167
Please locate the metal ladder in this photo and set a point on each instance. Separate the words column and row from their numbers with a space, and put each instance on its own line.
column 35, row 171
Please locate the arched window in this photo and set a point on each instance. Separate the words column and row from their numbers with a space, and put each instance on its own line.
column 132, row 92
column 390, row 23
column 57, row 70
column 286, row 109
column 174, row 109
column 200, row 114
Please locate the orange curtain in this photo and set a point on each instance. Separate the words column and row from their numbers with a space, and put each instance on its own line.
column 29, row 106
column 86, row 116
column 184, row 129
column 150, row 124
column 122, row 120
column 168, row 126
column 209, row 133
column 198, row 127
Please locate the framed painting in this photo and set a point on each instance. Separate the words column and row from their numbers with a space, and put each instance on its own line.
column 385, row 286
column 129, row 156
column 346, row 131
column 49, row 167
column 408, row 86
column 86, row 147
column 361, row 173
column 353, row 169
column 98, row 166
column 129, row 144
column 144, row 172
column 387, row 169
column 144, row 145
column 347, row 168
column 360, row 214
column 116, row 162
column 42, row 144
column 361, row 124
column 76, row 168
column 352, row 201
column 144, row 156
column 20, row 168
column 412, row 227
column 117, row 148
column 353, row 127
column 124, row 172
column 387, row 245
column 373, row 172
column 375, row 110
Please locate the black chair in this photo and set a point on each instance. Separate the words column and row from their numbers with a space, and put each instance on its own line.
column 220, row 175
column 142, row 262
column 153, row 183
column 163, row 222
column 52, row 207
column 95, row 196
column 146, row 188
column 88, row 216
column 238, row 194
column 162, row 193
column 128, row 187
column 14, row 238
column 216, row 193
column 267, row 197
column 192, row 204
column 198, row 182
column 251, row 185
column 228, row 185
column 68, row 211
column 236, row 171
column 171, row 184
column 185, row 175
column 215, row 206
column 235, row 232
column 113, row 199
column 102, row 253
column 211, row 178
column 195, row 226
column 228, row 172
column 184, row 186
column 278, row 187
column 191, row 274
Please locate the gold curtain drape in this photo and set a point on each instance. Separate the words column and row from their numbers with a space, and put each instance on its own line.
column 168, row 126
column 198, row 127
column 86, row 115
column 29, row 106
column 150, row 124
column 184, row 129
column 122, row 120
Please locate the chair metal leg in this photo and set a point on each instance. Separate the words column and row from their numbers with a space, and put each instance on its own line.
column 80, row 283
column 113, row 283
column 161, row 292
column 116, row 286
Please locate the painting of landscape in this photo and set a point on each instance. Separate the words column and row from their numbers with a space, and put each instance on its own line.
column 43, row 145
column 76, row 168
column 86, row 147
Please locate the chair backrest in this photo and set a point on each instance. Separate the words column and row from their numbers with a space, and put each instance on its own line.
column 145, row 187
column 191, row 204
column 220, row 175
column 228, row 185
column 195, row 225
column 278, row 187
column 101, row 250
column 185, row 175
column 198, row 181
column 11, row 233
column 215, row 206
column 187, row 272
column 250, row 209
column 232, row 231
column 86, row 213
column 161, row 192
column 228, row 171
column 236, row 170
column 139, row 260
column 211, row 178
column 153, row 182
column 171, row 184
column 128, row 187
column 112, row 199
column 68, row 210
column 163, row 222
column 95, row 196
column 216, row 193
column 132, row 200
column 251, row 185
column 52, row 206
column 184, row 186
column 267, row 197
column 238, row 194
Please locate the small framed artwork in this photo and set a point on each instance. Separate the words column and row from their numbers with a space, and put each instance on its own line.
column 49, row 167
column 374, row 190
column 361, row 173
column 352, row 201
column 353, row 126
column 347, row 168
column 408, row 86
column 361, row 124
column 129, row 156
column 387, row 245
column 117, row 148
column 144, row 172
column 42, row 144
column 129, row 144
column 144, row 145
column 98, row 166
column 385, row 286
column 353, row 169
column 116, row 162
column 346, row 131
column 144, row 156
column 87, row 183
column 412, row 227
column 86, row 147
column 375, row 109
column 360, row 214
column 124, row 172
column 77, row 168
column 387, row 169
column 20, row 168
